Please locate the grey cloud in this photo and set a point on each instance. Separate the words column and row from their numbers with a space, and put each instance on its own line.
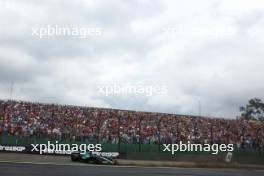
column 221, row 72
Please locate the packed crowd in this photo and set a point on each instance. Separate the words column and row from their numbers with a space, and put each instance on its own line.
column 64, row 122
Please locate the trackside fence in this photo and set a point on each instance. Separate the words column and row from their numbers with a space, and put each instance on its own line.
column 149, row 151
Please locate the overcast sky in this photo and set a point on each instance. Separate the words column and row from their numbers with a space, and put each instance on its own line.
column 202, row 51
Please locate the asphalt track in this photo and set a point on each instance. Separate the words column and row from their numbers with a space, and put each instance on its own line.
column 35, row 165
column 27, row 169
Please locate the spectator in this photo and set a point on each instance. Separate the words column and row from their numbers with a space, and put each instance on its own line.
column 62, row 122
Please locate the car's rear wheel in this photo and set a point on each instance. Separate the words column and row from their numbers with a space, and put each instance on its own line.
column 75, row 157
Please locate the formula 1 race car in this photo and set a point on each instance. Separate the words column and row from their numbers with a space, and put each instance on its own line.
column 89, row 157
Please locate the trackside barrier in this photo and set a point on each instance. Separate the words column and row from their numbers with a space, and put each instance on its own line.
column 148, row 151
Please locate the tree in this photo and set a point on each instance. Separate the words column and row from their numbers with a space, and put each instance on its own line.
column 254, row 110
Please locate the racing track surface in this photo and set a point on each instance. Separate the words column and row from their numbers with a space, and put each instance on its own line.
column 16, row 169
column 12, row 164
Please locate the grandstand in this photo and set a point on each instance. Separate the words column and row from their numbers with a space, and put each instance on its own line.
column 73, row 123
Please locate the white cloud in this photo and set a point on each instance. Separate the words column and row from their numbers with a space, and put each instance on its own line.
column 207, row 51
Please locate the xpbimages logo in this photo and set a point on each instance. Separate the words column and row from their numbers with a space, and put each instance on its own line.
column 65, row 148
column 213, row 149
column 132, row 89
column 81, row 32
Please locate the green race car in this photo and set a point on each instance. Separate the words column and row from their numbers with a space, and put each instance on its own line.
column 89, row 157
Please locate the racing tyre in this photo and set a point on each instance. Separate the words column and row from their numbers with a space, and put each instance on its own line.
column 75, row 156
